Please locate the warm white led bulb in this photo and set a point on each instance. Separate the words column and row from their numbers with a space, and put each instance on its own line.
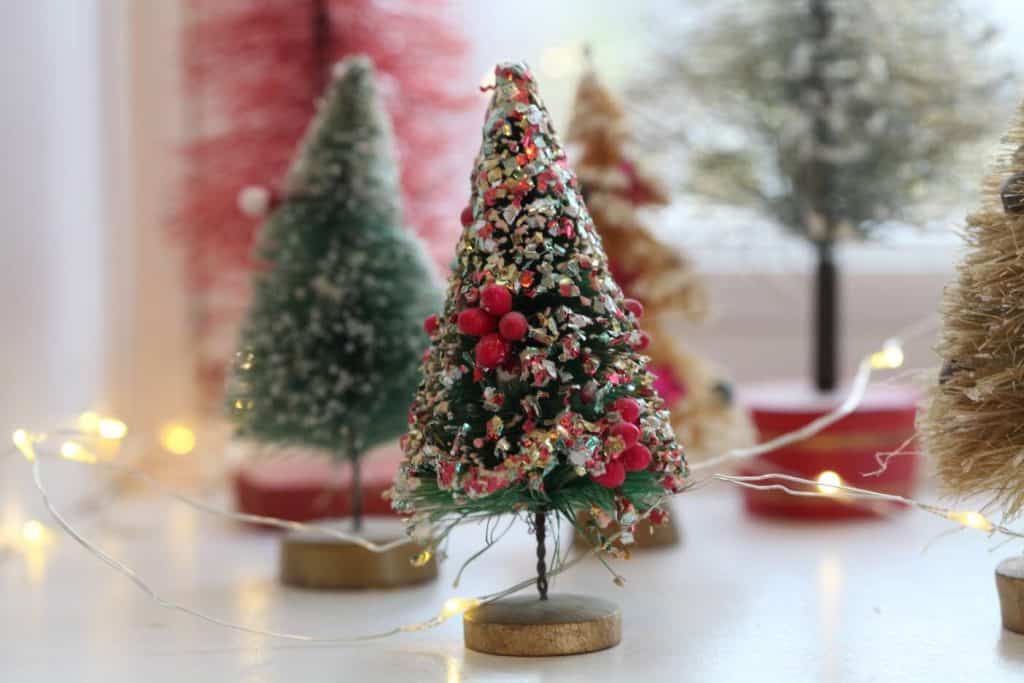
column 177, row 438
column 889, row 358
column 829, row 483
column 111, row 428
column 23, row 442
column 88, row 421
column 455, row 606
column 971, row 520
column 33, row 532
column 71, row 450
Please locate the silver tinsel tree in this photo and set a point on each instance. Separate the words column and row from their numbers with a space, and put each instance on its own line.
column 830, row 117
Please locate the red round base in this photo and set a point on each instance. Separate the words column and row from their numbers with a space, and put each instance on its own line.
column 854, row 448
column 300, row 489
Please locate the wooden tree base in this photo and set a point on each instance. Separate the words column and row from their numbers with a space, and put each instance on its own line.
column 526, row 626
column 316, row 560
column 1010, row 584
column 646, row 535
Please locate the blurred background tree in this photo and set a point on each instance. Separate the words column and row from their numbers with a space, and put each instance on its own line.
column 253, row 72
column 833, row 118
column 618, row 188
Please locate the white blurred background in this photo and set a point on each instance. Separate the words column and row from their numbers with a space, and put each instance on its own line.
column 90, row 292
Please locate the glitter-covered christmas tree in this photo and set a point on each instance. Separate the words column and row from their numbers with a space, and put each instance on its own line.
column 535, row 397
column 617, row 189
column 328, row 353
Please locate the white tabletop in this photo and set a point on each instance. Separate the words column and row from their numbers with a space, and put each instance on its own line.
column 740, row 600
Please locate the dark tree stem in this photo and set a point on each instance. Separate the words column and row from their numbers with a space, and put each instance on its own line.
column 357, row 494
column 539, row 524
column 818, row 190
column 321, row 46
column 826, row 320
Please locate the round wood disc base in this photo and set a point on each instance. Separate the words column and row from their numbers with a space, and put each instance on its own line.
column 315, row 560
column 526, row 626
column 646, row 535
column 1010, row 584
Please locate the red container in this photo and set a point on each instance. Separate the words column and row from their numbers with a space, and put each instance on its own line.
column 851, row 448
column 301, row 488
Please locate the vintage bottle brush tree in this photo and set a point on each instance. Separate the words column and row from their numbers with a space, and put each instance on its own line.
column 535, row 398
column 663, row 280
column 835, row 119
column 328, row 352
column 253, row 71
column 973, row 423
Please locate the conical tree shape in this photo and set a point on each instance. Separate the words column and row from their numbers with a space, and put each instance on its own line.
column 535, row 395
column 616, row 188
column 974, row 425
column 329, row 351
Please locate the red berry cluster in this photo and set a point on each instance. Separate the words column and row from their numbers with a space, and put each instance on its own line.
column 495, row 323
column 634, row 456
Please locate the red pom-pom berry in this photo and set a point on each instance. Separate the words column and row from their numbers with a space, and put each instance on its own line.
column 476, row 322
column 466, row 216
column 513, row 326
column 629, row 433
column 490, row 351
column 643, row 342
column 635, row 307
column 635, row 458
column 628, row 409
column 496, row 299
column 430, row 324
column 614, row 475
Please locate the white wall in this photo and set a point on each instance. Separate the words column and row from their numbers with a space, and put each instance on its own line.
column 51, row 242
column 86, row 130
column 91, row 294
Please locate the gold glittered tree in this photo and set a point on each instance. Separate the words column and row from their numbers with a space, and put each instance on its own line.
column 617, row 190
column 974, row 424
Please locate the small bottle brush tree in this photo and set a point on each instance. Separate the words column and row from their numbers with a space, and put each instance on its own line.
column 329, row 350
column 974, row 425
column 847, row 111
column 617, row 189
column 253, row 70
column 535, row 397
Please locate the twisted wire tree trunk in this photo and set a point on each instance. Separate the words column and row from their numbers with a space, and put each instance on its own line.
column 540, row 531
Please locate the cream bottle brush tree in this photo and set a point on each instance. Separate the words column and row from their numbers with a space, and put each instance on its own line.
column 617, row 187
column 974, row 423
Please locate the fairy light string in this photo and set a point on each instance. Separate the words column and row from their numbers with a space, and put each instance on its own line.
column 890, row 356
column 450, row 608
